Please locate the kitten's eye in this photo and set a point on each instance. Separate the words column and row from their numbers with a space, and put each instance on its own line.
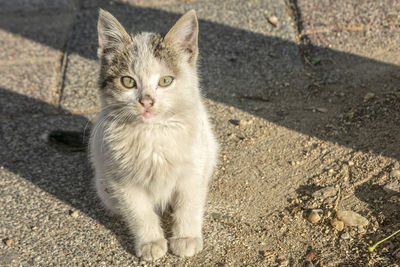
column 128, row 82
column 165, row 81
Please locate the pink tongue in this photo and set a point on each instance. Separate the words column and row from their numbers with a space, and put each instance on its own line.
column 146, row 114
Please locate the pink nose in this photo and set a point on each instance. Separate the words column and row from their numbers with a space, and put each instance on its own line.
column 146, row 102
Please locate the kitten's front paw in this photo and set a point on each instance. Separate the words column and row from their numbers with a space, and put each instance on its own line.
column 152, row 250
column 186, row 246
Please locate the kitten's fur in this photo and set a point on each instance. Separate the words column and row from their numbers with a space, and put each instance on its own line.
column 143, row 164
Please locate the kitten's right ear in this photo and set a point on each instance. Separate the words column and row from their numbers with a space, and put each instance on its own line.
column 111, row 33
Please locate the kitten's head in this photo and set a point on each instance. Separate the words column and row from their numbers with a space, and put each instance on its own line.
column 147, row 76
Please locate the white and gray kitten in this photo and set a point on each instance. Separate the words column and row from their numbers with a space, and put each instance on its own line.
column 152, row 145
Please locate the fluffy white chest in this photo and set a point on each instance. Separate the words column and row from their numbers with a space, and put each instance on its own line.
column 151, row 156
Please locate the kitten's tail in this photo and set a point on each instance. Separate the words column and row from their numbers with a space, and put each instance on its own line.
column 68, row 140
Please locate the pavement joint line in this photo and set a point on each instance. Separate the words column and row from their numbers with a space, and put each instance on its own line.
column 293, row 12
column 64, row 61
column 61, row 76
column 302, row 40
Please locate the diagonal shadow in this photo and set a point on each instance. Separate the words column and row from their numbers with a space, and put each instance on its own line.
column 259, row 74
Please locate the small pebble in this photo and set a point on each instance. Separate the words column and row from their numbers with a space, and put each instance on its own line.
column 350, row 163
column 314, row 217
column 345, row 235
column 351, row 218
column 36, row 259
column 369, row 96
column 73, row 213
column 274, row 21
column 242, row 123
column 338, row 225
column 284, row 263
column 8, row 242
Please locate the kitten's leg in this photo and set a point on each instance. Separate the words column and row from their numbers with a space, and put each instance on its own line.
column 137, row 210
column 105, row 195
column 188, row 206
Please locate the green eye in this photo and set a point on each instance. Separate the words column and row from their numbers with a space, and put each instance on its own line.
column 165, row 81
column 128, row 82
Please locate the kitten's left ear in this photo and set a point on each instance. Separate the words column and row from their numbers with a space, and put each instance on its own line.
column 184, row 35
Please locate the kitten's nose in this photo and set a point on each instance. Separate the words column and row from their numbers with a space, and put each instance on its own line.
column 146, row 102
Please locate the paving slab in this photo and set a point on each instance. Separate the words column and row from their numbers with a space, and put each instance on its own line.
column 80, row 91
column 30, row 38
column 29, row 88
column 31, row 55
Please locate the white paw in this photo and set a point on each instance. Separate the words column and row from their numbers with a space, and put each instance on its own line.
column 152, row 250
column 186, row 246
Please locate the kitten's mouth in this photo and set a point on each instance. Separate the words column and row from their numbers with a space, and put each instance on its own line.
column 147, row 114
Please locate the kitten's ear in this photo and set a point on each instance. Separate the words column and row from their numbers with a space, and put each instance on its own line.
column 111, row 33
column 184, row 35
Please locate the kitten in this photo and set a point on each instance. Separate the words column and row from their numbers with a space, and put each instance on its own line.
column 152, row 144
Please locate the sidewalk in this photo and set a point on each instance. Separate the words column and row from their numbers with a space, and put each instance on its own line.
column 293, row 104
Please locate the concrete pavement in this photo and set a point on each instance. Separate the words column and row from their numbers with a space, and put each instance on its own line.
column 318, row 56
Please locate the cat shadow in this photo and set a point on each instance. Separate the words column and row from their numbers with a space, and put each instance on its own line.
column 63, row 173
column 259, row 74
